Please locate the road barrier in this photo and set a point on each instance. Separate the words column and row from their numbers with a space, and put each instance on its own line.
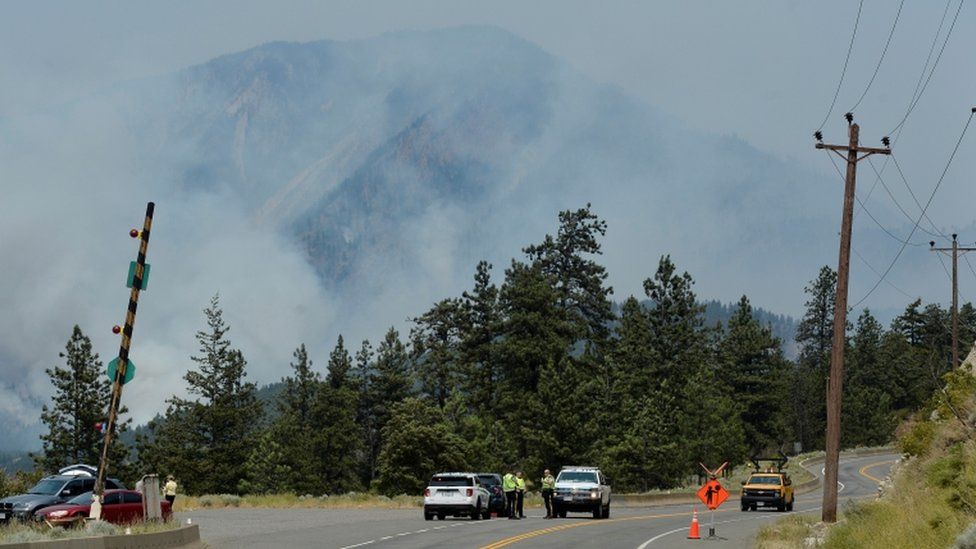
column 186, row 536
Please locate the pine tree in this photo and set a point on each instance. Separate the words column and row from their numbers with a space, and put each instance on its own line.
column 753, row 367
column 479, row 371
column 267, row 469
column 296, row 428
column 81, row 398
column 436, row 338
column 206, row 441
column 338, row 444
column 388, row 382
column 814, row 336
column 578, row 280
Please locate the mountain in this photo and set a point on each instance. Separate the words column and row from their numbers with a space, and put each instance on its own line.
column 343, row 186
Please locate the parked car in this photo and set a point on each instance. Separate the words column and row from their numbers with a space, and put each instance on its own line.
column 52, row 490
column 493, row 483
column 118, row 507
column 582, row 489
column 457, row 495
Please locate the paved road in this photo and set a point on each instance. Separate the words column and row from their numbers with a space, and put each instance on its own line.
column 636, row 527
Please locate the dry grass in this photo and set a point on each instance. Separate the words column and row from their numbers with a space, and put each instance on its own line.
column 786, row 533
column 26, row 532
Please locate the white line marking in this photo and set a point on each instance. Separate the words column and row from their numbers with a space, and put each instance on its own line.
column 384, row 538
column 359, row 544
column 669, row 532
column 420, row 531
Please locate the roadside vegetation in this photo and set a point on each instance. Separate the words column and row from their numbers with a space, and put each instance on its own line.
column 932, row 499
column 23, row 533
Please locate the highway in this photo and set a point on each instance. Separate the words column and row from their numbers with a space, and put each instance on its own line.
column 633, row 527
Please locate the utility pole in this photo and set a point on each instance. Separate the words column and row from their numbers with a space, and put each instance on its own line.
column 955, row 251
column 836, row 378
column 124, row 369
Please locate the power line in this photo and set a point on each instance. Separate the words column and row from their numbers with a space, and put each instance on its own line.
column 875, row 271
column 898, row 204
column 916, row 98
column 870, row 215
column 927, row 204
column 915, row 198
column 843, row 72
column 881, row 59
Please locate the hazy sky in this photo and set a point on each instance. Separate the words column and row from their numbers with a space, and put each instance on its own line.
column 765, row 71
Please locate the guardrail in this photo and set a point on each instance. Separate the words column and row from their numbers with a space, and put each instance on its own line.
column 185, row 536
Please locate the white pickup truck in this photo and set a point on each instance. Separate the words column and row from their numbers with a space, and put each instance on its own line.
column 584, row 489
column 457, row 495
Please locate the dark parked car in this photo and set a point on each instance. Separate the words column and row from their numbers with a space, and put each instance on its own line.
column 493, row 482
column 119, row 507
column 49, row 491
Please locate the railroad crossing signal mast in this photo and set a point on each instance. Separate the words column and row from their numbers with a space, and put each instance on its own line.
column 835, row 382
column 954, row 252
column 123, row 367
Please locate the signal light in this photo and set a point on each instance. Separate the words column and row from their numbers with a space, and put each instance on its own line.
column 135, row 233
column 116, row 329
column 426, row 492
column 470, row 492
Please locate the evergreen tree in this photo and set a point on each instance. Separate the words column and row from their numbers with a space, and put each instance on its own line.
column 417, row 442
column 388, row 382
column 479, row 371
column 81, row 398
column 267, row 469
column 814, row 336
column 752, row 366
column 296, row 427
column 578, row 280
column 436, row 346
column 207, row 441
column 338, row 444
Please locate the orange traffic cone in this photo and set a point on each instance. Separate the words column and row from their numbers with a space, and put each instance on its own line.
column 693, row 531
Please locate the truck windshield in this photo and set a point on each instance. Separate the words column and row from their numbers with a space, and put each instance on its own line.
column 764, row 480
column 451, row 481
column 576, row 476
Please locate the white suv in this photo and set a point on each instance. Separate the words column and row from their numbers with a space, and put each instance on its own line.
column 457, row 495
column 584, row 489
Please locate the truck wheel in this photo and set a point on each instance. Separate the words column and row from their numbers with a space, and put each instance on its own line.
column 744, row 506
column 441, row 516
column 562, row 513
column 789, row 506
column 606, row 511
column 598, row 511
column 476, row 513
column 781, row 506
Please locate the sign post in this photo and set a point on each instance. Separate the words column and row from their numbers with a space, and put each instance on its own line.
column 121, row 369
column 713, row 495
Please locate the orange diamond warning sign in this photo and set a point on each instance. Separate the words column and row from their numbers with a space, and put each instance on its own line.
column 713, row 494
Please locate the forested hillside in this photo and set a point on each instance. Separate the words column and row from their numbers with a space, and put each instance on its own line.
column 537, row 370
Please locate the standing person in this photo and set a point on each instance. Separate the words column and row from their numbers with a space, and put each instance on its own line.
column 509, row 484
column 548, row 490
column 520, row 489
column 169, row 489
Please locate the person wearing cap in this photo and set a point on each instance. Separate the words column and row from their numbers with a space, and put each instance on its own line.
column 169, row 489
column 548, row 490
column 520, row 491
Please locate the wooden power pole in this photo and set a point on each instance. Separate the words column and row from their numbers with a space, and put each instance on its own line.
column 955, row 251
column 836, row 379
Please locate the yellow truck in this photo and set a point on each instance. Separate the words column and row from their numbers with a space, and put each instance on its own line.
column 771, row 487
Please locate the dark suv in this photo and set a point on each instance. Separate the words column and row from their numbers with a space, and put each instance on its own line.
column 493, row 482
column 49, row 491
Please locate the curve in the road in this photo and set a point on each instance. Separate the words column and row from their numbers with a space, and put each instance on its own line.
column 863, row 471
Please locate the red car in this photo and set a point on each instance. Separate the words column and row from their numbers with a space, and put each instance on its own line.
column 119, row 507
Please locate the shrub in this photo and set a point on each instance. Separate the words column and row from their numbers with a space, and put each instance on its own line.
column 918, row 439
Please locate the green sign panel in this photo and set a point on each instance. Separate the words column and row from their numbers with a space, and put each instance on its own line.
column 130, row 370
column 131, row 278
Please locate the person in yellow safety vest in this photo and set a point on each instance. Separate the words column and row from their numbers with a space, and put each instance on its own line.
column 520, row 489
column 509, row 485
column 548, row 490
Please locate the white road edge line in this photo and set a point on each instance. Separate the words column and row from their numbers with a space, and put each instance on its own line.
column 669, row 532
column 359, row 544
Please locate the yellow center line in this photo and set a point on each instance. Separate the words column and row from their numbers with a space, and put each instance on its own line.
column 864, row 470
column 515, row 539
